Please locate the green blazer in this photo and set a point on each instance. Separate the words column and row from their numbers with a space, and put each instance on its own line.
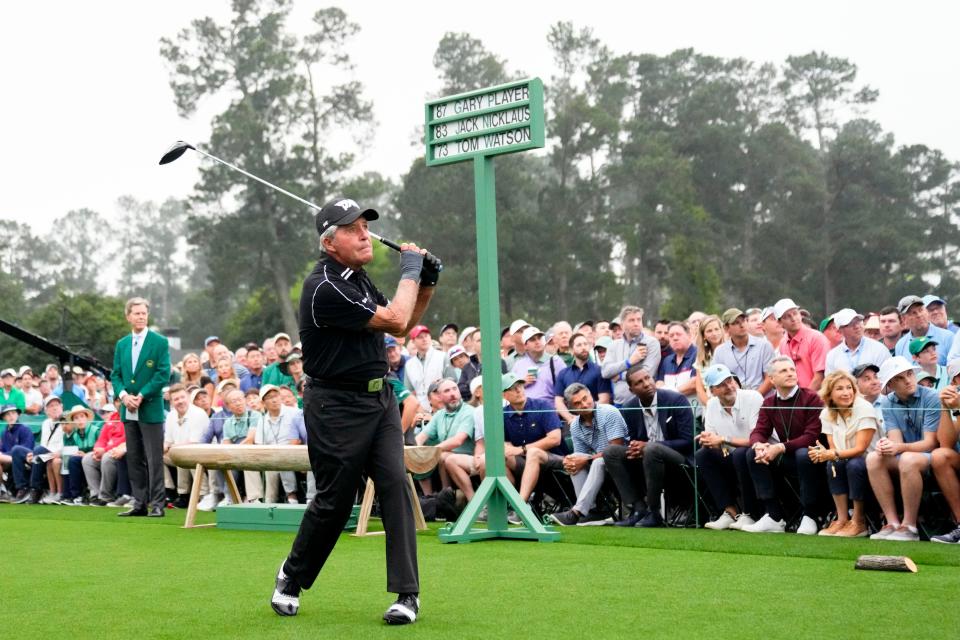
column 148, row 378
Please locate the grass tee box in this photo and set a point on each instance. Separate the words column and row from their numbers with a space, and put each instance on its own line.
column 491, row 121
column 269, row 517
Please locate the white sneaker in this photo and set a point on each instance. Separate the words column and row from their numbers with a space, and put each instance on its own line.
column 742, row 520
column 50, row 498
column 122, row 501
column 725, row 521
column 884, row 532
column 226, row 502
column 766, row 524
column 905, row 533
column 808, row 527
column 209, row 503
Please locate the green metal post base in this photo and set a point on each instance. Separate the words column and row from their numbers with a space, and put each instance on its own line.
column 495, row 493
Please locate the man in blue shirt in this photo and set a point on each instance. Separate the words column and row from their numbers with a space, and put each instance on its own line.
column 676, row 372
column 592, row 430
column 14, row 435
column 911, row 415
column 255, row 367
column 531, row 435
column 937, row 310
column 395, row 358
column 584, row 371
column 915, row 318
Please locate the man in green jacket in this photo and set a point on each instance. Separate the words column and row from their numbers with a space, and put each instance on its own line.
column 141, row 368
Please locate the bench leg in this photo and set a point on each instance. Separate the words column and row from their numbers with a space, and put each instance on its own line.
column 232, row 487
column 194, row 497
column 366, row 506
column 418, row 518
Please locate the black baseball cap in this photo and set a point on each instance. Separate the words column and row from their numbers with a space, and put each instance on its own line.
column 340, row 211
column 450, row 325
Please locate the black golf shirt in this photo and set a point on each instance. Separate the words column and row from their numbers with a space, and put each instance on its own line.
column 335, row 306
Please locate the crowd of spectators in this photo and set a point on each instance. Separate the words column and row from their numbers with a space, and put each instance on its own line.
column 837, row 428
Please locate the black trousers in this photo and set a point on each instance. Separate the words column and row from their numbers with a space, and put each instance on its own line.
column 722, row 475
column 796, row 465
column 145, row 462
column 349, row 433
column 636, row 477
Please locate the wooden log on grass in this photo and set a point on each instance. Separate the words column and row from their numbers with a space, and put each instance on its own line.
column 886, row 563
column 276, row 457
column 251, row 457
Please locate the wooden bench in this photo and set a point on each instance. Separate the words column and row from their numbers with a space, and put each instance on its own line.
column 281, row 457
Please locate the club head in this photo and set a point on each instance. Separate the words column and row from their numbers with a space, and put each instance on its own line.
column 178, row 149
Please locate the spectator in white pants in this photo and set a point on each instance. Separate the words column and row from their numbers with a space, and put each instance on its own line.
column 185, row 424
column 240, row 429
column 278, row 426
column 593, row 428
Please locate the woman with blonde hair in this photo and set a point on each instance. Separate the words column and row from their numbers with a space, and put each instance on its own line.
column 852, row 429
column 192, row 370
column 709, row 337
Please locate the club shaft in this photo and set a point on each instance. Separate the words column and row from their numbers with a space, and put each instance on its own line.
column 260, row 180
column 390, row 243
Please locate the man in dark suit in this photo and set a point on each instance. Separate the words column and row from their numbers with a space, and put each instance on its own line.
column 660, row 428
column 141, row 368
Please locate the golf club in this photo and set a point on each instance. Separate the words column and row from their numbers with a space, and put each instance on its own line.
column 180, row 147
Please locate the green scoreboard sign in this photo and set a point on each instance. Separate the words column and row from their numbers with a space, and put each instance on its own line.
column 491, row 121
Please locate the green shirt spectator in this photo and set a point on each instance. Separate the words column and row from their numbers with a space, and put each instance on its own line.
column 82, row 437
column 273, row 375
column 236, row 427
column 9, row 394
column 446, row 424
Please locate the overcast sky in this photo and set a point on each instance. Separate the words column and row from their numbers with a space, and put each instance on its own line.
column 86, row 110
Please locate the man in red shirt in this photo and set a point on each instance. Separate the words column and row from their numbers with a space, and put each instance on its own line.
column 805, row 346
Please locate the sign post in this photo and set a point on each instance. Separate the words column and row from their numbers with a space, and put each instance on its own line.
column 477, row 126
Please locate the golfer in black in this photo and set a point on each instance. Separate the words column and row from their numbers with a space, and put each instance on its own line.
column 351, row 414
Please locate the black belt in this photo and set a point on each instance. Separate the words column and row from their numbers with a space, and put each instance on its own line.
column 360, row 386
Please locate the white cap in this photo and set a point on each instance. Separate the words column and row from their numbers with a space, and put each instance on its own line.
column 476, row 382
column 893, row 367
column 466, row 333
column 766, row 313
column 953, row 368
column 8, row 372
column 267, row 388
column 518, row 324
column 456, row 350
column 223, row 383
column 108, row 408
column 844, row 317
column 783, row 306
column 530, row 332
